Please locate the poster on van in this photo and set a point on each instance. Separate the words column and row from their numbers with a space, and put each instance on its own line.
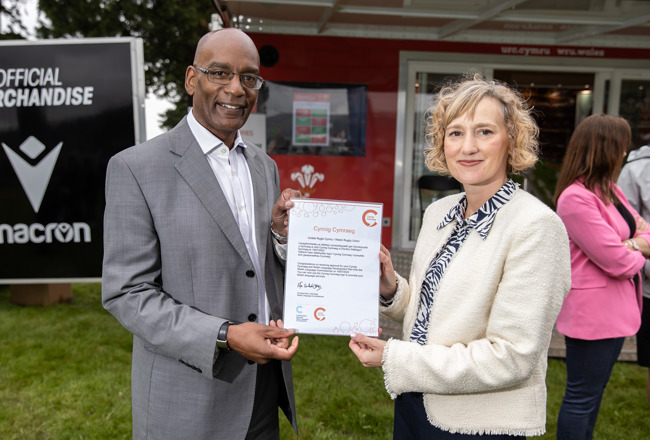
column 311, row 115
column 314, row 119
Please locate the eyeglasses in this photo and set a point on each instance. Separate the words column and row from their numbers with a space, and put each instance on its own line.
column 223, row 77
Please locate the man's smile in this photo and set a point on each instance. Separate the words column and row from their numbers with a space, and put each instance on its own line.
column 231, row 106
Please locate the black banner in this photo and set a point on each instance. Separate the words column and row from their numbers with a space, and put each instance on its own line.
column 65, row 108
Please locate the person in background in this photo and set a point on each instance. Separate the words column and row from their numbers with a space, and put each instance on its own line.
column 490, row 270
column 635, row 183
column 193, row 262
column 609, row 246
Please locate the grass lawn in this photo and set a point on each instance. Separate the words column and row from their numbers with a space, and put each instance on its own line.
column 65, row 374
column 65, row 370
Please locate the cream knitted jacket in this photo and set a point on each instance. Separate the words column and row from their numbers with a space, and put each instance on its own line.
column 483, row 367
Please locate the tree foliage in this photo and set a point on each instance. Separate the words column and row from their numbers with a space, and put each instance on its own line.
column 12, row 14
column 169, row 30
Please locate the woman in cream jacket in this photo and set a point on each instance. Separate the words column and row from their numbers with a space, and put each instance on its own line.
column 490, row 270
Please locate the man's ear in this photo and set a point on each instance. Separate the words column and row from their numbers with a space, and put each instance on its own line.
column 190, row 80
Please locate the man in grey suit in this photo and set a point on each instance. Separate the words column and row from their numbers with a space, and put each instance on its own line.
column 194, row 242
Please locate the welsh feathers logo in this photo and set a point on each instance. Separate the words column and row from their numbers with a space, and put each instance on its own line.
column 307, row 179
column 34, row 178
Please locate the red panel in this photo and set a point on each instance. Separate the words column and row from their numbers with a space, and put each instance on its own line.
column 374, row 62
column 368, row 178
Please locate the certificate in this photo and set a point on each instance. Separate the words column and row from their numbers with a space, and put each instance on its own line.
column 332, row 273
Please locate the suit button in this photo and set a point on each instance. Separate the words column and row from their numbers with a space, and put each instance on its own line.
column 250, row 273
column 252, row 317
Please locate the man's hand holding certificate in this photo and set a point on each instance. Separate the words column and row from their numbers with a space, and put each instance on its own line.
column 332, row 274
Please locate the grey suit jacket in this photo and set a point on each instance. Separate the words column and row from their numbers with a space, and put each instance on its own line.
column 175, row 268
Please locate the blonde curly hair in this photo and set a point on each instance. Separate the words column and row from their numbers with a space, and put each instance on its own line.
column 457, row 99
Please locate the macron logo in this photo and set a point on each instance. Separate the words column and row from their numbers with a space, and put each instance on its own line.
column 33, row 178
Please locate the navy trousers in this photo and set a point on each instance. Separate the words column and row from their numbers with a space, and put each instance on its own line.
column 589, row 366
column 411, row 423
column 264, row 423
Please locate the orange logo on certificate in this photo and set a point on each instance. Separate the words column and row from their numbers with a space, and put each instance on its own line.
column 369, row 218
column 319, row 314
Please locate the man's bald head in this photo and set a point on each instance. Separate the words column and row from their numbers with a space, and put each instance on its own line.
column 223, row 36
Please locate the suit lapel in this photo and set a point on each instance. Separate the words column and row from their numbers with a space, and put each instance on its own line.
column 195, row 169
column 264, row 193
column 261, row 201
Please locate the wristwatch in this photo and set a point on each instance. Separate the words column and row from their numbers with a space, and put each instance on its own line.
column 222, row 336
column 278, row 237
column 634, row 244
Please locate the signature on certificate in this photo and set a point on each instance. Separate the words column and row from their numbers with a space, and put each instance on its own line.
column 312, row 286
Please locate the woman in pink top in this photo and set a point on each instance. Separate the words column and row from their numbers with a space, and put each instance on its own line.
column 609, row 246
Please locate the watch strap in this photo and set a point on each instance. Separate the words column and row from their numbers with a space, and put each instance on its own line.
column 222, row 336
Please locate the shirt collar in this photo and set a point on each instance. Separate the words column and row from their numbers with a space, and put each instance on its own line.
column 482, row 219
column 206, row 140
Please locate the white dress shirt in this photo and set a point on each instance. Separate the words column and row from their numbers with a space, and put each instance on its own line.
column 231, row 170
